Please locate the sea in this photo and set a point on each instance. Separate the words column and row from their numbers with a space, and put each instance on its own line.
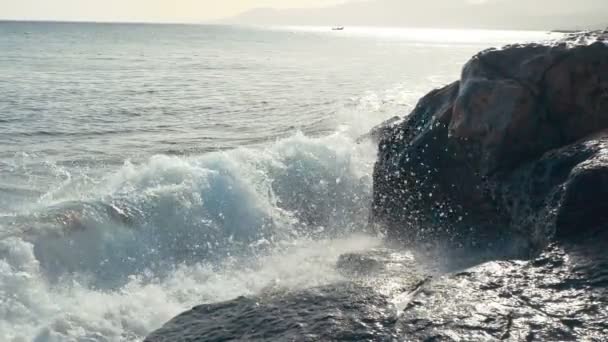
column 146, row 169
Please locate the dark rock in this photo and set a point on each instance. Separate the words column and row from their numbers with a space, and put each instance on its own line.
column 424, row 178
column 450, row 170
column 343, row 312
column 357, row 264
column 561, row 295
column 523, row 100
column 358, row 309
column 560, row 195
column 517, row 148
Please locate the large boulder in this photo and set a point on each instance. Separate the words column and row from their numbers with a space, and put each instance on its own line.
column 523, row 100
column 460, row 167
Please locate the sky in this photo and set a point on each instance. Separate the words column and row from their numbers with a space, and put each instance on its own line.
column 143, row 10
column 519, row 14
column 484, row 14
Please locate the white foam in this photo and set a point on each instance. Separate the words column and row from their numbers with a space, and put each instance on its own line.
column 113, row 258
column 86, row 276
column 34, row 309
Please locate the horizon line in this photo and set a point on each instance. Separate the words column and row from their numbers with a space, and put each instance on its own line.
column 228, row 23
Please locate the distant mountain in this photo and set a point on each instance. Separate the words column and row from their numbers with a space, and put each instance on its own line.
column 497, row 14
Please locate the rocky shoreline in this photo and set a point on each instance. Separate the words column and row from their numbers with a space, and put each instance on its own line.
column 509, row 165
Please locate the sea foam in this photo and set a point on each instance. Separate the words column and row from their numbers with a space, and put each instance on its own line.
column 149, row 240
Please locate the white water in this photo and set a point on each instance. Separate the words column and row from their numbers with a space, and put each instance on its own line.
column 115, row 258
column 34, row 309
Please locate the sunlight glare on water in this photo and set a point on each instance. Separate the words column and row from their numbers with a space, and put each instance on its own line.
column 431, row 36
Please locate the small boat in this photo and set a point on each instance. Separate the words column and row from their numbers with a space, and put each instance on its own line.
column 338, row 28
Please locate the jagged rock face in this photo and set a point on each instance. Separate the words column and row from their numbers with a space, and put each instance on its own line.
column 449, row 170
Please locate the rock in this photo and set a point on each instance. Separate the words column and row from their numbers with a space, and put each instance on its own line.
column 358, row 309
column 523, row 100
column 559, row 295
column 446, row 171
column 560, row 195
column 426, row 178
column 343, row 312
column 357, row 264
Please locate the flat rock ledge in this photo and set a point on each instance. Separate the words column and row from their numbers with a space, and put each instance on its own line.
column 560, row 295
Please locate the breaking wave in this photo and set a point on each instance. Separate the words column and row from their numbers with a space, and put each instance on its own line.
column 115, row 259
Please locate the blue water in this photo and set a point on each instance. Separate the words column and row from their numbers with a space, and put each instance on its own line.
column 148, row 168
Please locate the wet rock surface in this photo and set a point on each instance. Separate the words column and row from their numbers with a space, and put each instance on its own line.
column 514, row 154
column 559, row 295
column 361, row 308
column 450, row 170
column 342, row 312
column 560, row 196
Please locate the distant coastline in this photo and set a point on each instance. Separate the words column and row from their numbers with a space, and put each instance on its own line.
column 520, row 15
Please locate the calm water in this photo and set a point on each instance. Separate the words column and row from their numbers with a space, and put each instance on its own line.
column 148, row 168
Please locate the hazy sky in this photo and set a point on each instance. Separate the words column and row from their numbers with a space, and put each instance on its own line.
column 142, row 10
column 533, row 14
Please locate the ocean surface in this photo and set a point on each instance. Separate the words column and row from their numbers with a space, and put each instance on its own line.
column 145, row 169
